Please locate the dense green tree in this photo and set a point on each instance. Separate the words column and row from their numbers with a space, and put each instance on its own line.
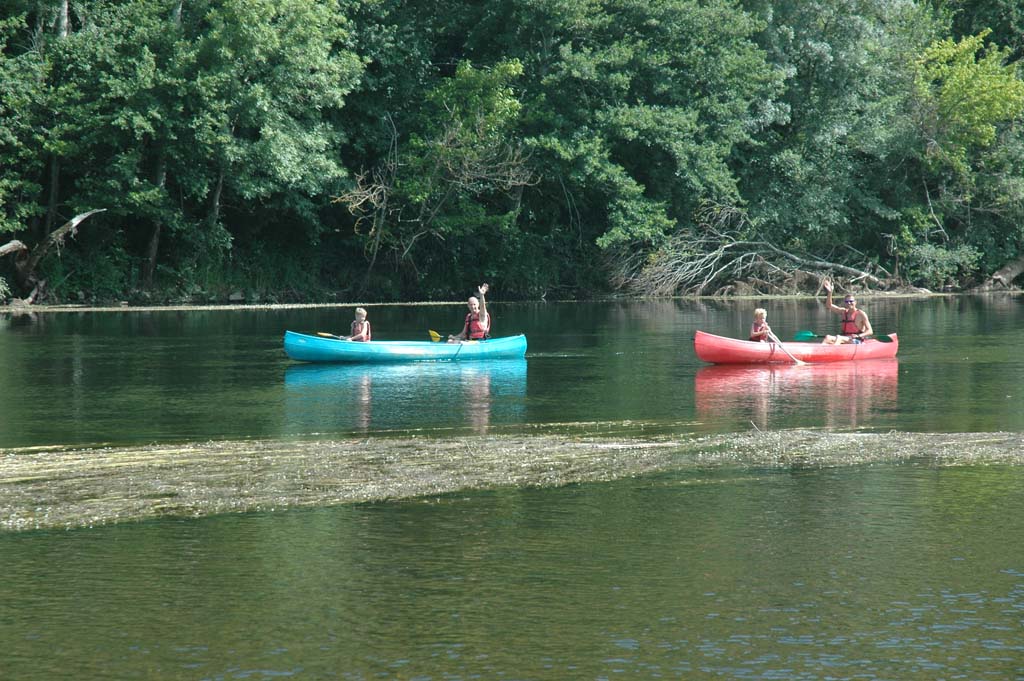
column 166, row 112
column 822, row 180
column 455, row 177
column 1004, row 18
column 966, row 98
column 21, row 106
column 632, row 111
column 528, row 143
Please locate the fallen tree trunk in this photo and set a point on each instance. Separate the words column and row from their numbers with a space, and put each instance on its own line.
column 12, row 247
column 702, row 262
column 28, row 259
column 1003, row 278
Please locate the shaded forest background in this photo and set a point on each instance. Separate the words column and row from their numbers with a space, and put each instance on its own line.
column 378, row 150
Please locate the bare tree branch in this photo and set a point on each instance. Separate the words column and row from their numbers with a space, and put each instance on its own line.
column 715, row 258
column 26, row 265
column 12, row 247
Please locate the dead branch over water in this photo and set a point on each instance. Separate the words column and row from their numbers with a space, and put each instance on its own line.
column 76, row 488
column 716, row 258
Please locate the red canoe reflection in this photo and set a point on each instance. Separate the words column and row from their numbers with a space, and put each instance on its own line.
column 836, row 394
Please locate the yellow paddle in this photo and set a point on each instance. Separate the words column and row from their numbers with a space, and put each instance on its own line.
column 434, row 335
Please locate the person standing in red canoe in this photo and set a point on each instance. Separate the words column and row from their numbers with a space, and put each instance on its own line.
column 855, row 324
column 478, row 322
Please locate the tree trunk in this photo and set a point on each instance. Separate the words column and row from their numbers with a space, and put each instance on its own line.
column 1003, row 278
column 51, row 202
column 25, row 265
column 61, row 27
column 149, row 263
column 214, row 216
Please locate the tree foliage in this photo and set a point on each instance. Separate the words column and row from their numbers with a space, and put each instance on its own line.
column 392, row 150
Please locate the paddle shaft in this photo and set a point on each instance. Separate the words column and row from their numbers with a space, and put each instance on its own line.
column 776, row 339
column 809, row 335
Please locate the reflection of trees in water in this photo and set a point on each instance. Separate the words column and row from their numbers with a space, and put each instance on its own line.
column 840, row 394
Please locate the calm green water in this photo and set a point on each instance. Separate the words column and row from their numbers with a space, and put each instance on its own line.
column 868, row 573
column 131, row 378
column 871, row 572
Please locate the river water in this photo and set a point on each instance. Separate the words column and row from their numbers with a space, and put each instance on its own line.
column 908, row 570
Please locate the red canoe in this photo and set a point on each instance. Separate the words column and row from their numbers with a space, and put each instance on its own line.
column 722, row 350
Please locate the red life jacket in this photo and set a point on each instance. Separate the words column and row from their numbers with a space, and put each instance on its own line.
column 474, row 330
column 757, row 327
column 357, row 329
column 849, row 327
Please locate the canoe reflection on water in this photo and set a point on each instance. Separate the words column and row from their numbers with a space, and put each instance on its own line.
column 362, row 397
column 834, row 394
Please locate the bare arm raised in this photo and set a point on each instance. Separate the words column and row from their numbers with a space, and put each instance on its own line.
column 826, row 284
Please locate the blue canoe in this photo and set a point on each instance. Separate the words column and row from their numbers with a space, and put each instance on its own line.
column 307, row 348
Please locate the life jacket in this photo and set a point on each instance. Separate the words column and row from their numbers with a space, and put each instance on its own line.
column 849, row 327
column 756, row 328
column 475, row 330
column 357, row 328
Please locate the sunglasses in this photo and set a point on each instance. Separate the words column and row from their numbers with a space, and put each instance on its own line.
column 849, row 300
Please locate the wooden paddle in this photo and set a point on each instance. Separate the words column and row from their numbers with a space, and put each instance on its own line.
column 810, row 335
column 776, row 339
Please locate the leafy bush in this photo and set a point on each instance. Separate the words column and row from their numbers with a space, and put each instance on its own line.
column 935, row 266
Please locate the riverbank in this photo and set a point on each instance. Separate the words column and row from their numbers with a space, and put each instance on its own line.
column 17, row 307
column 42, row 488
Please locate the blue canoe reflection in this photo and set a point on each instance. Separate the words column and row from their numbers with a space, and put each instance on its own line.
column 834, row 394
column 324, row 398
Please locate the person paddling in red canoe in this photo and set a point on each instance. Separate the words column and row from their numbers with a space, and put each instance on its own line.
column 478, row 322
column 759, row 329
column 855, row 324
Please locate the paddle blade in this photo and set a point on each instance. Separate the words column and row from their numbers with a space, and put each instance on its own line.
column 805, row 336
column 326, row 335
column 434, row 335
column 883, row 339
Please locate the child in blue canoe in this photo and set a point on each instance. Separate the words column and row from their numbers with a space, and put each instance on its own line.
column 360, row 331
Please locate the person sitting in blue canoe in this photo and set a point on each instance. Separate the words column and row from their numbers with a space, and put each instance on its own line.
column 360, row 330
column 478, row 322
column 855, row 324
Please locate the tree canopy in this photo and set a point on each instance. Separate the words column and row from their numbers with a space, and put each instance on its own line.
column 391, row 150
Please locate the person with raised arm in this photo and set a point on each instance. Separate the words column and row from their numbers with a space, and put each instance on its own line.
column 855, row 325
column 478, row 323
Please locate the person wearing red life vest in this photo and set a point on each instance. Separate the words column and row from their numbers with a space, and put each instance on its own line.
column 759, row 330
column 360, row 331
column 855, row 324
column 478, row 323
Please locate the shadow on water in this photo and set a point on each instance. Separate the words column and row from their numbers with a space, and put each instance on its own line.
column 380, row 397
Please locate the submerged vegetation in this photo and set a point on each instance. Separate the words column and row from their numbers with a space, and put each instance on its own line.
column 100, row 486
column 311, row 150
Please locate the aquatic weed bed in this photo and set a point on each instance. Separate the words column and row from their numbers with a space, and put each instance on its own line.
column 61, row 488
